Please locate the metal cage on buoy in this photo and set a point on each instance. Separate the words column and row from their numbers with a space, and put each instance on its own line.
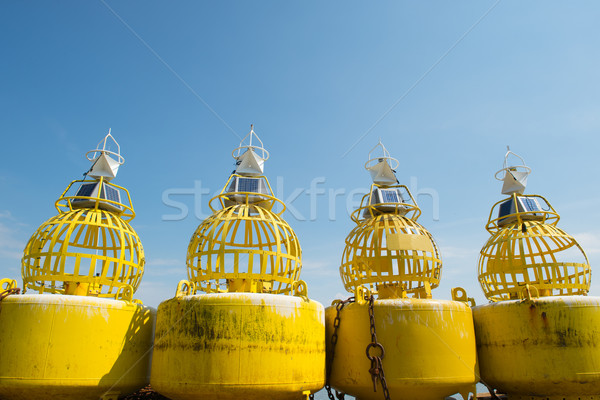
column 526, row 247
column 536, row 339
column 389, row 251
column 245, row 246
column 89, row 248
column 390, row 264
column 85, row 265
column 242, row 325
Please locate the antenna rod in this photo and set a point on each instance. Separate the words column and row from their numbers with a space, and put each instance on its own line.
column 104, row 145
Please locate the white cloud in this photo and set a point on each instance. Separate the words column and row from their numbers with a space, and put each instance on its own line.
column 589, row 241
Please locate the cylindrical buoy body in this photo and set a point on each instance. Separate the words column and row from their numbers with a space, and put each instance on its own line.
column 238, row 346
column 543, row 347
column 429, row 349
column 73, row 347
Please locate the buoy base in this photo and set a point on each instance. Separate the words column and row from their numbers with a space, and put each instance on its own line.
column 238, row 346
column 429, row 349
column 543, row 348
column 72, row 347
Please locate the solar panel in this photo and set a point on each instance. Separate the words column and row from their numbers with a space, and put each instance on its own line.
column 529, row 204
column 386, row 201
column 248, row 185
column 86, row 189
column 528, row 209
column 506, row 208
column 390, row 196
column 111, row 193
column 241, row 184
column 89, row 192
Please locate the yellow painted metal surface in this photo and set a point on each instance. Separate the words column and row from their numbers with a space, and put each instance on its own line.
column 541, row 348
column 84, row 251
column 238, row 346
column 388, row 249
column 429, row 349
column 538, row 338
column 73, row 347
column 83, row 336
column 254, row 334
column 248, row 243
column 428, row 345
column 531, row 252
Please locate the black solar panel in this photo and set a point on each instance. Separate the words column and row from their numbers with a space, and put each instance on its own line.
column 505, row 208
column 86, row 189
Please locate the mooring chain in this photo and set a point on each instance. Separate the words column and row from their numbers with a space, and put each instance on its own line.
column 376, row 369
column 334, row 339
column 491, row 390
column 8, row 292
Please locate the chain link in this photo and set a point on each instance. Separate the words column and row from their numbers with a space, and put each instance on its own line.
column 376, row 369
column 8, row 292
column 491, row 390
column 334, row 339
column 339, row 395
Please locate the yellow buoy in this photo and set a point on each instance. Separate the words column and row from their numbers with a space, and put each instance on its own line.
column 537, row 339
column 254, row 333
column 404, row 344
column 82, row 336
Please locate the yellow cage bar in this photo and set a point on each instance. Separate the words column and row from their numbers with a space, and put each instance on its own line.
column 241, row 246
column 86, row 251
column 390, row 252
column 531, row 250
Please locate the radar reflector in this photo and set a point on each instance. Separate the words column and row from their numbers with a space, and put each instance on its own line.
column 106, row 159
column 514, row 182
column 514, row 177
column 250, row 158
column 382, row 167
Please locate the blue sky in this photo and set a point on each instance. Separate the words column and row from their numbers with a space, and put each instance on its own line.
column 445, row 85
